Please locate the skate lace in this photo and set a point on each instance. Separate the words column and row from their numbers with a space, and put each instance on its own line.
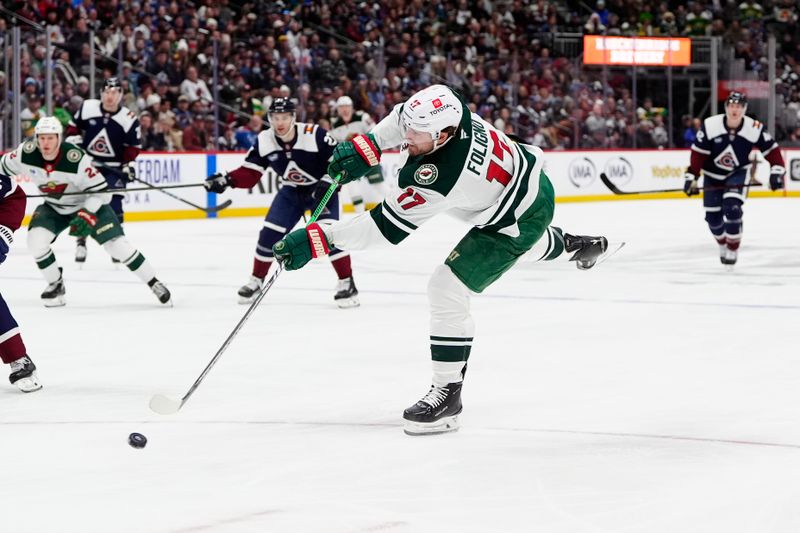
column 435, row 396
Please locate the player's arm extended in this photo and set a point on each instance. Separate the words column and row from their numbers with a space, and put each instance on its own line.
column 389, row 132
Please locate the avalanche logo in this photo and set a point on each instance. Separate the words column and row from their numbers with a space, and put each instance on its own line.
column 296, row 176
column 53, row 189
column 727, row 160
column 101, row 145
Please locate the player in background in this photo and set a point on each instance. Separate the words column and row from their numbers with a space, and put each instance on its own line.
column 59, row 169
column 12, row 348
column 454, row 162
column 299, row 154
column 111, row 135
column 347, row 125
column 722, row 151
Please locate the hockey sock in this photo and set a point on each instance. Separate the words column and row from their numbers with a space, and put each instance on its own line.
column 448, row 372
column 261, row 267
column 341, row 263
column 548, row 247
column 11, row 345
column 49, row 267
column 122, row 250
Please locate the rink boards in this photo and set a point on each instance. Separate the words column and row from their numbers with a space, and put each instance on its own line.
column 575, row 176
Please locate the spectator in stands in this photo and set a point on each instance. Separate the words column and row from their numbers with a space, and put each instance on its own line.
column 183, row 116
column 246, row 135
column 194, row 88
column 152, row 137
column 31, row 115
column 195, row 137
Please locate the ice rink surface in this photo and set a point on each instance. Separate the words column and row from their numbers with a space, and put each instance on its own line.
column 655, row 393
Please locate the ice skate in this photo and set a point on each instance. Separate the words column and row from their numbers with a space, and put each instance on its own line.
column 728, row 257
column 587, row 249
column 346, row 294
column 23, row 375
column 437, row 412
column 250, row 290
column 80, row 250
column 53, row 295
column 161, row 291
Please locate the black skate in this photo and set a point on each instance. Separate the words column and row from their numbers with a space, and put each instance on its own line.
column 23, row 375
column 80, row 250
column 160, row 290
column 587, row 249
column 437, row 412
column 346, row 294
column 53, row 295
column 250, row 290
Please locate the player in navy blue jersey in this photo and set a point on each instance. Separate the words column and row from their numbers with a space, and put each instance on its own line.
column 722, row 151
column 111, row 135
column 299, row 153
column 12, row 349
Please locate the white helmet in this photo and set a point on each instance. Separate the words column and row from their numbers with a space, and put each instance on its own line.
column 432, row 110
column 344, row 100
column 49, row 125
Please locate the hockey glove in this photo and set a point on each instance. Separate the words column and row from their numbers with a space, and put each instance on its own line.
column 3, row 244
column 776, row 173
column 82, row 224
column 128, row 173
column 217, row 182
column 690, row 184
column 352, row 159
column 300, row 246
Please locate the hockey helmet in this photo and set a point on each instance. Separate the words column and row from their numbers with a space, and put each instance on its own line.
column 736, row 97
column 49, row 125
column 112, row 83
column 431, row 111
column 282, row 105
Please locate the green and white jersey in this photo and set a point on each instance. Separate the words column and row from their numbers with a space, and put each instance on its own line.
column 71, row 172
column 360, row 123
column 479, row 176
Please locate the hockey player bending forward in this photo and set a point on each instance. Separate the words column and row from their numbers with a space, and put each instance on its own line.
column 722, row 151
column 57, row 169
column 12, row 349
column 453, row 161
column 299, row 154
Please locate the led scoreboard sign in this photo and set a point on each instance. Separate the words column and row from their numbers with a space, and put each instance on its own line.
column 646, row 51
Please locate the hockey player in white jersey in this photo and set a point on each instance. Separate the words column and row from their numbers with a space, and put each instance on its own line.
column 722, row 151
column 455, row 162
column 59, row 169
column 347, row 125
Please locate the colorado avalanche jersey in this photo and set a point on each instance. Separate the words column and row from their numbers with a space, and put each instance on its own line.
column 304, row 161
column 108, row 136
column 719, row 150
column 12, row 208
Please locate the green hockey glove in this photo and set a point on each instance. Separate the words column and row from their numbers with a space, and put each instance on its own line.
column 300, row 246
column 83, row 223
column 354, row 158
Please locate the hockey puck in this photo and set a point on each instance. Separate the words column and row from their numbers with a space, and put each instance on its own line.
column 137, row 440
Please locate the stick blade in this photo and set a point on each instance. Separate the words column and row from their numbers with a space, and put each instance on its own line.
column 220, row 207
column 164, row 406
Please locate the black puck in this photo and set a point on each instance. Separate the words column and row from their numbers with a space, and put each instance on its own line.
column 137, row 440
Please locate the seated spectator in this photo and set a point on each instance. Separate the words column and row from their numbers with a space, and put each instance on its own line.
column 194, row 88
column 152, row 137
column 195, row 137
column 246, row 135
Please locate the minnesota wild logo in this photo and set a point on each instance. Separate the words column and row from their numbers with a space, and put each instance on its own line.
column 426, row 174
column 53, row 189
column 73, row 156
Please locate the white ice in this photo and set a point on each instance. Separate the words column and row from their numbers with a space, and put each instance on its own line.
column 656, row 393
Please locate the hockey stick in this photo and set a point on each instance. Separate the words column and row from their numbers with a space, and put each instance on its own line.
column 215, row 209
column 166, row 406
column 185, row 186
column 616, row 190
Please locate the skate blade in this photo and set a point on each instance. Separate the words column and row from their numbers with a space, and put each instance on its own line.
column 611, row 250
column 445, row 425
column 347, row 303
column 55, row 302
column 29, row 384
column 247, row 301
